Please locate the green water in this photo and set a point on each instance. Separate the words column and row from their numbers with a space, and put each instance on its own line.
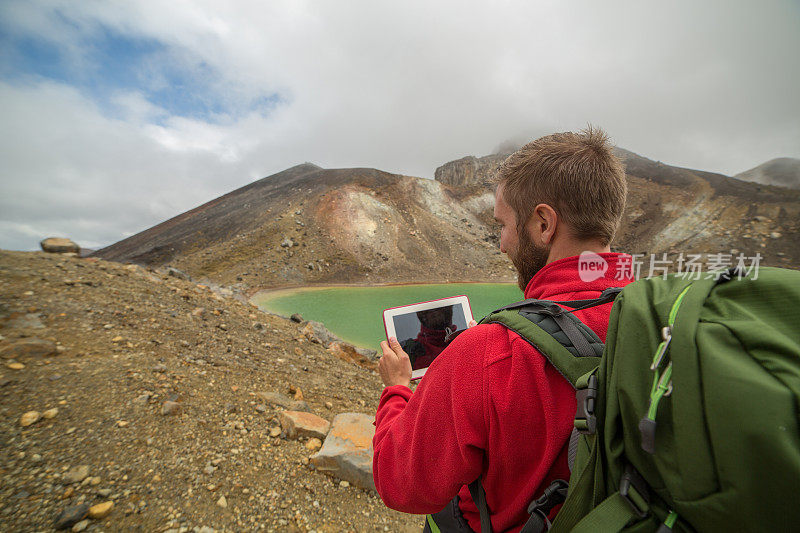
column 355, row 314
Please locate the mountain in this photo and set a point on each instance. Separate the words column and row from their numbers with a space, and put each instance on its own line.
column 783, row 171
column 313, row 225
column 309, row 225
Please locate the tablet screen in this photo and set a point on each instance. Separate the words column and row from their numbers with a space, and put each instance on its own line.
column 424, row 334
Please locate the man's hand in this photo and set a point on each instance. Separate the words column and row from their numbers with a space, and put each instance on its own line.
column 394, row 366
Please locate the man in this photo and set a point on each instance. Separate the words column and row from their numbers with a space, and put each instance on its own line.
column 491, row 405
column 435, row 331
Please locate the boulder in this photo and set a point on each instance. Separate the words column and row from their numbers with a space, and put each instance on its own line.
column 301, row 424
column 32, row 347
column 317, row 332
column 372, row 355
column 22, row 321
column 347, row 450
column 281, row 400
column 351, row 354
column 58, row 245
column 71, row 516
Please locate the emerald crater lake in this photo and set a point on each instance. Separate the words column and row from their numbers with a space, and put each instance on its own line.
column 355, row 314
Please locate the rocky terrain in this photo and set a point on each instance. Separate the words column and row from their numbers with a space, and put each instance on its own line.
column 308, row 225
column 164, row 406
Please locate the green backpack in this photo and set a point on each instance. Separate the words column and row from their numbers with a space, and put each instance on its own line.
column 689, row 421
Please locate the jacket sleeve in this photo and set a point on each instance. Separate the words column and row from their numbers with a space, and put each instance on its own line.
column 429, row 444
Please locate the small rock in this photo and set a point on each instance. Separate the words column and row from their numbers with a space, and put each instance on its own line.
column 118, row 338
column 170, row 408
column 328, row 405
column 15, row 366
column 198, row 311
column 80, row 526
column 296, row 392
column 71, row 516
column 29, row 418
column 50, row 413
column 222, row 502
column 281, row 400
column 261, row 408
column 101, row 510
column 302, row 424
column 297, row 317
column 95, row 481
column 775, row 235
column 77, row 474
column 314, row 444
column 142, row 399
column 122, row 423
column 159, row 368
column 344, row 484
column 274, row 432
column 175, row 273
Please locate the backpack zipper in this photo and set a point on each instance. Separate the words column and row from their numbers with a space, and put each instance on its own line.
column 662, row 383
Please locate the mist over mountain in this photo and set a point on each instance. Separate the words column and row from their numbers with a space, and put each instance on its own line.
column 782, row 171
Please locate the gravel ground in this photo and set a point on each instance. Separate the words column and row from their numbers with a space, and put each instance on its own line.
column 125, row 341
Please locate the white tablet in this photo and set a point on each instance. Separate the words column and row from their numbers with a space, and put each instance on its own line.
column 425, row 329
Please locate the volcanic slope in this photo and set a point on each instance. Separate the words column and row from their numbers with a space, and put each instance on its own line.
column 311, row 225
column 673, row 210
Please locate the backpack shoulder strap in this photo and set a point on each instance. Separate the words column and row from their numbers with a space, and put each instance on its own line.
column 570, row 346
column 567, row 343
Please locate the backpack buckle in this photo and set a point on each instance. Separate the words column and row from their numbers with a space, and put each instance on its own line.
column 633, row 489
column 585, row 419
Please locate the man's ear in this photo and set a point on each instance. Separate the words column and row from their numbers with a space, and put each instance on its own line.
column 543, row 224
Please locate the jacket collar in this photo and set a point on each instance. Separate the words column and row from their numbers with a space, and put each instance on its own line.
column 564, row 276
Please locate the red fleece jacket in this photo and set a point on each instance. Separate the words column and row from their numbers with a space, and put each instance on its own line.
column 490, row 405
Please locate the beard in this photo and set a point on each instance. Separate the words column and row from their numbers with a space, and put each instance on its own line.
column 528, row 259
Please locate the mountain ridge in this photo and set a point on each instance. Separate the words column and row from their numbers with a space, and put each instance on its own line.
column 310, row 225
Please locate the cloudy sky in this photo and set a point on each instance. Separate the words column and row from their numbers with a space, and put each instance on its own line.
column 117, row 115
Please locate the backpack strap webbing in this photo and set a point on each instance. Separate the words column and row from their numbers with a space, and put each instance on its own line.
column 568, row 344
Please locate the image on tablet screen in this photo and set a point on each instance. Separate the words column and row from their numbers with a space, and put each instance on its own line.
column 424, row 334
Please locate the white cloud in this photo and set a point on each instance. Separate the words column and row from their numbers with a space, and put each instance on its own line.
column 402, row 87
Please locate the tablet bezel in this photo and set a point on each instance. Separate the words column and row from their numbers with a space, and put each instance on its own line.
column 389, row 314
